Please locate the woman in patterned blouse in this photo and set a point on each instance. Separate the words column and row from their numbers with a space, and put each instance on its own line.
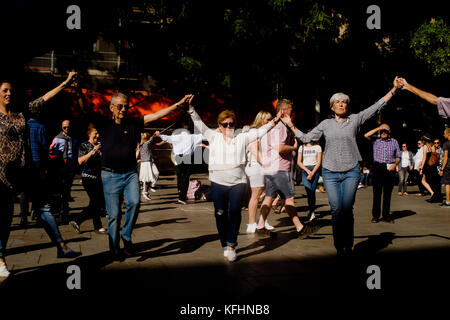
column 12, row 161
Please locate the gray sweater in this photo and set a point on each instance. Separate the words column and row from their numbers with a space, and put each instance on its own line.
column 341, row 151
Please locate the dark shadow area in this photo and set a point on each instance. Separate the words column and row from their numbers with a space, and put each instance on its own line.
column 376, row 243
column 157, row 223
column 178, row 246
column 402, row 214
column 157, row 209
column 415, row 276
column 40, row 246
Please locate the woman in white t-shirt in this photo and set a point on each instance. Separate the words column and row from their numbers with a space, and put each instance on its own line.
column 310, row 160
column 406, row 165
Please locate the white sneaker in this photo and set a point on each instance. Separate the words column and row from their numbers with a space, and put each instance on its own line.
column 230, row 255
column 312, row 217
column 268, row 226
column 4, row 273
column 146, row 196
column 251, row 227
column 152, row 190
column 181, row 201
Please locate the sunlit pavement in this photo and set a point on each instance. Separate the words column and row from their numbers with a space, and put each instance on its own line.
column 179, row 260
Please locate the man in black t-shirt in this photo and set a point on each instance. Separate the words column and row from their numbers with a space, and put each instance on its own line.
column 445, row 172
column 119, row 138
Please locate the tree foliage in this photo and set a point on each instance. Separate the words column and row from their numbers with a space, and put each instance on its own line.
column 431, row 43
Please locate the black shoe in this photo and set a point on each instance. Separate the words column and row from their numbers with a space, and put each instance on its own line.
column 387, row 219
column 306, row 231
column 23, row 222
column 265, row 233
column 128, row 248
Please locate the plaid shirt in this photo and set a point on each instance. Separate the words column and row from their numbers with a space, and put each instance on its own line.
column 386, row 151
column 12, row 146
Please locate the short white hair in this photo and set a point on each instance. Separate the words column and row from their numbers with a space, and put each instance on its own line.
column 339, row 96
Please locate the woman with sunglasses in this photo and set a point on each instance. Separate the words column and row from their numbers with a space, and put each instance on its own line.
column 226, row 165
column 405, row 166
column 340, row 163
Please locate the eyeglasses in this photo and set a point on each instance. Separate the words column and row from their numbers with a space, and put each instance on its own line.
column 436, row 142
column 121, row 106
column 384, row 131
column 227, row 124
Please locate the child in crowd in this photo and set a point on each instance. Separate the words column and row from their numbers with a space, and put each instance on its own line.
column 148, row 173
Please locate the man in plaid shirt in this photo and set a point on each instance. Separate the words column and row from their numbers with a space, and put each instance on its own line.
column 386, row 156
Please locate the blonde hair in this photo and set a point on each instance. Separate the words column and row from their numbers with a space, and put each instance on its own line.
column 145, row 136
column 224, row 115
column 259, row 119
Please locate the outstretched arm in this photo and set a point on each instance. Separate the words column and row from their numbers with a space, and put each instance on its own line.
column 59, row 88
column 198, row 123
column 431, row 98
column 164, row 112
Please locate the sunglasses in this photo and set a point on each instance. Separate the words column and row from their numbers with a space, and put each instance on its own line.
column 121, row 106
column 66, row 127
column 227, row 124
column 403, row 146
column 384, row 131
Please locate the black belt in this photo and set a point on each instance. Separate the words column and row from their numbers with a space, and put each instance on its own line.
column 117, row 171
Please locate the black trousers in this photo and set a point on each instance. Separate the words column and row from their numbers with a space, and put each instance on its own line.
column 184, row 171
column 94, row 189
column 383, row 183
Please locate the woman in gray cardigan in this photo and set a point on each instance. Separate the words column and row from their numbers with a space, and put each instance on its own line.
column 405, row 165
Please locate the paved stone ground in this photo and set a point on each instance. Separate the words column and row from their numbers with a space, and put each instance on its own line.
column 179, row 260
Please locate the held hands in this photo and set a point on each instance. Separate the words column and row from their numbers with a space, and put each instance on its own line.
column 70, row 78
column 286, row 120
column 184, row 100
column 404, row 83
column 392, row 167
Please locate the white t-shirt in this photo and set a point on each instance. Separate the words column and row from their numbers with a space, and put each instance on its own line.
column 418, row 158
column 405, row 159
column 309, row 154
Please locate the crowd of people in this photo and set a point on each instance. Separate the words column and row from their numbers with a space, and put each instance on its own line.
column 262, row 157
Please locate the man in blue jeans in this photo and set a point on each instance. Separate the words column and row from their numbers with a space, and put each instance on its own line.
column 119, row 138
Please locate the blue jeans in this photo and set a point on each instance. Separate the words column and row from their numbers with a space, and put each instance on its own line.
column 310, row 187
column 49, row 223
column 341, row 190
column 114, row 186
column 227, row 211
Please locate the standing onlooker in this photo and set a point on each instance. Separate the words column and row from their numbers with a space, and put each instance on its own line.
column 340, row 164
column 417, row 168
column 430, row 178
column 12, row 161
column 226, row 167
column 276, row 155
column 62, row 147
column 386, row 157
column 437, row 145
column 183, row 146
column 253, row 170
column 445, row 172
column 309, row 160
column 406, row 165
column 90, row 160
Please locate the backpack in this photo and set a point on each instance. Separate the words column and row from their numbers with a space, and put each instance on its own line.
column 194, row 186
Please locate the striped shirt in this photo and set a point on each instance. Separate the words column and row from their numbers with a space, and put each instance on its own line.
column 386, row 150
